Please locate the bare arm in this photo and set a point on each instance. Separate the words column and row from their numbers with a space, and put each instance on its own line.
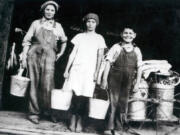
column 25, row 51
column 63, row 48
column 139, row 70
column 138, row 78
column 63, row 39
column 70, row 61
column 105, row 75
column 99, row 59
column 24, row 56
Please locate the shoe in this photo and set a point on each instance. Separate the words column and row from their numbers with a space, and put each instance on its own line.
column 54, row 119
column 119, row 132
column 115, row 132
column 107, row 132
column 132, row 131
column 34, row 120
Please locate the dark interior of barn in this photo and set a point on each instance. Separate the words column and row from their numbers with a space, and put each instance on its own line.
column 157, row 24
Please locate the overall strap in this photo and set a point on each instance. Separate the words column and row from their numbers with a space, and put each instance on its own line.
column 54, row 25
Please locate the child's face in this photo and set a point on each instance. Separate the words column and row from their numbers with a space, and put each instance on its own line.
column 91, row 25
column 128, row 35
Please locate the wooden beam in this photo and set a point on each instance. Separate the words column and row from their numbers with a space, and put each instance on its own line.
column 6, row 10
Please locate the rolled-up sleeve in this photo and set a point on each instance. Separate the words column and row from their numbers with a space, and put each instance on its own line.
column 139, row 56
column 61, row 34
column 28, row 37
column 113, row 53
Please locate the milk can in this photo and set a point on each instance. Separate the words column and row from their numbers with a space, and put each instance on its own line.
column 137, row 107
column 163, row 90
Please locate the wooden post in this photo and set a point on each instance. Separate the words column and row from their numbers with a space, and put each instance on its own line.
column 6, row 10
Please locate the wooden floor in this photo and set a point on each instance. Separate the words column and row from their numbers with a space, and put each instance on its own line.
column 15, row 123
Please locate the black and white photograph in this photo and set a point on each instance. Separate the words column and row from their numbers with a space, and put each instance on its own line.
column 89, row 67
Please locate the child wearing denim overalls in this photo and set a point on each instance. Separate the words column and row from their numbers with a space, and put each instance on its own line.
column 123, row 60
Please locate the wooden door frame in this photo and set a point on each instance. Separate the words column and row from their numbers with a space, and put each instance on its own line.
column 6, row 13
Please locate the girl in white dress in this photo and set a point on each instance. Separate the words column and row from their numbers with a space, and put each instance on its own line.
column 82, row 68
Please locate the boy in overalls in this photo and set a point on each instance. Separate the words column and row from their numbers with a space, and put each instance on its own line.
column 122, row 68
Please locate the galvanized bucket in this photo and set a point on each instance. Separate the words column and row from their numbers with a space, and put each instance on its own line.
column 19, row 84
column 98, row 107
column 137, row 107
column 61, row 100
column 163, row 91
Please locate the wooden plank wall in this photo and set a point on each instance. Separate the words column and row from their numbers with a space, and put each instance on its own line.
column 6, row 10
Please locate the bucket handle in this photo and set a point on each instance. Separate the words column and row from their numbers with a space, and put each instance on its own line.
column 177, row 82
column 107, row 93
column 177, row 77
column 65, row 85
column 108, row 98
column 20, row 71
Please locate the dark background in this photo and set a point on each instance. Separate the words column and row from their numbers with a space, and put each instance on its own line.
column 157, row 23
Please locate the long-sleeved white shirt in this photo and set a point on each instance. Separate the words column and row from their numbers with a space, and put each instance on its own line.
column 47, row 24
